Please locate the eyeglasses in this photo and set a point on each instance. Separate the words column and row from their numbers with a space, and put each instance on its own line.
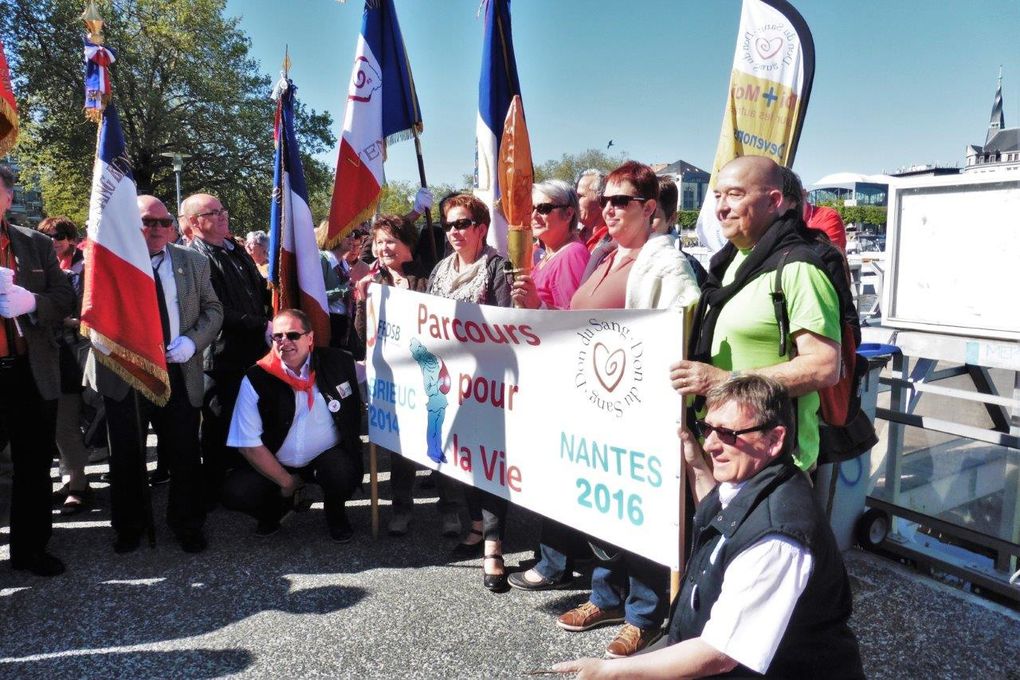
column 293, row 336
column 725, row 434
column 619, row 200
column 153, row 222
column 459, row 225
column 546, row 208
column 212, row 213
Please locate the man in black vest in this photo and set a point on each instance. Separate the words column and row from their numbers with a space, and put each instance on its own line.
column 297, row 419
column 765, row 590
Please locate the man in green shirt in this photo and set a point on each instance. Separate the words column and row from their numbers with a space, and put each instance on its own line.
column 736, row 329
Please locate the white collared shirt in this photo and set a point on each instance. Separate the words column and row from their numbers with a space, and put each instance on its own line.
column 760, row 588
column 312, row 432
column 166, row 278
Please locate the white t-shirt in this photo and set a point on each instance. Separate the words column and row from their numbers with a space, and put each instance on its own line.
column 760, row 588
column 312, row 432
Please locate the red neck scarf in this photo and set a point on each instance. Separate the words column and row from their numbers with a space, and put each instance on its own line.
column 272, row 365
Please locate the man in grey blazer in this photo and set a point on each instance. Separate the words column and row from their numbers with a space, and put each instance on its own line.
column 191, row 316
column 35, row 296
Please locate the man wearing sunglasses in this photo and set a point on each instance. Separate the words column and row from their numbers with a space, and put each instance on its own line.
column 191, row 315
column 297, row 420
column 765, row 590
column 242, row 339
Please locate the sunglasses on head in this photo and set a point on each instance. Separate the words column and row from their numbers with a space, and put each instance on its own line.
column 459, row 225
column 546, row 208
column 619, row 200
column 153, row 222
column 725, row 434
column 293, row 336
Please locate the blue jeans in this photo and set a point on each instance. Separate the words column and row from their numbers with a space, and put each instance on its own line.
column 637, row 584
column 559, row 545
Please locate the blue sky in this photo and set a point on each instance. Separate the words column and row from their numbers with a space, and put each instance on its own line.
column 897, row 82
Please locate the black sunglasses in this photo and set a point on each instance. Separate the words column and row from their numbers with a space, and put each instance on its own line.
column 546, row 208
column 293, row 336
column 153, row 222
column 459, row 225
column 725, row 434
column 619, row 200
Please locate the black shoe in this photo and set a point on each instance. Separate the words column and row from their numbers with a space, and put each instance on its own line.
column 341, row 532
column 267, row 527
column 159, row 476
column 518, row 580
column 192, row 541
column 40, row 563
column 127, row 541
column 465, row 551
column 495, row 583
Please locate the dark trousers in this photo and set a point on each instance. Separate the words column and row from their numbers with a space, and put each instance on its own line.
column 30, row 423
column 247, row 490
column 221, row 388
column 339, row 331
column 176, row 426
column 560, row 544
column 402, row 474
column 488, row 509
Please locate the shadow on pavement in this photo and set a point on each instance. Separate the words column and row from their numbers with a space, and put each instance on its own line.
column 192, row 663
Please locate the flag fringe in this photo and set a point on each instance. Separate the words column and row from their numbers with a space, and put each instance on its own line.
column 366, row 213
column 117, row 351
column 10, row 114
column 404, row 135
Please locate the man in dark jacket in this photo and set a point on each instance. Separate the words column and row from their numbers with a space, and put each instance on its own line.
column 297, row 420
column 765, row 590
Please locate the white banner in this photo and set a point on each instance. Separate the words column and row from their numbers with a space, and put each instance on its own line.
column 569, row 414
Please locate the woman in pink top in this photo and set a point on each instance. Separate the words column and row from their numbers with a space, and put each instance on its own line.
column 554, row 222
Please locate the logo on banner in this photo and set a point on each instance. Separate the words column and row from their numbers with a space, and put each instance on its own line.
column 769, row 48
column 365, row 82
column 608, row 371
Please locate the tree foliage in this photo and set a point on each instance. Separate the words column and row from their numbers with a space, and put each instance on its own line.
column 859, row 214
column 397, row 197
column 570, row 166
column 183, row 81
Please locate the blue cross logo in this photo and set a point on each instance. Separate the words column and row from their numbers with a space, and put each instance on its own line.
column 770, row 97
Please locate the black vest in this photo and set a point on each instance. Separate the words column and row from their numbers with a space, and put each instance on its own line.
column 332, row 368
column 778, row 500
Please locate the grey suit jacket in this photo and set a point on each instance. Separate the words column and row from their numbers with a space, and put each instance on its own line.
column 201, row 316
column 39, row 272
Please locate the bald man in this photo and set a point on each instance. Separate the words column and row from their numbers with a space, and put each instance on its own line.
column 735, row 326
column 242, row 339
column 190, row 314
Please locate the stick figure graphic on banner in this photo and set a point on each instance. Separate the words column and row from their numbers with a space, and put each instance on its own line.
column 437, row 384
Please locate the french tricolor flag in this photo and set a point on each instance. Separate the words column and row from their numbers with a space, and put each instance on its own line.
column 382, row 107
column 496, row 89
column 295, row 271
column 119, row 314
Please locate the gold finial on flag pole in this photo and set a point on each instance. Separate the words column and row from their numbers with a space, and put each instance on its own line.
column 94, row 22
column 286, row 61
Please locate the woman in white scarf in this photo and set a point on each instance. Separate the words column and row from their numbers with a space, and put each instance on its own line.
column 474, row 273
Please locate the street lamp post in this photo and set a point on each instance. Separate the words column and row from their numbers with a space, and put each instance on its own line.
column 178, row 167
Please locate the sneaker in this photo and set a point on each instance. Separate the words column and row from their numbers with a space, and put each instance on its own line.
column 398, row 524
column 451, row 524
column 631, row 640
column 588, row 616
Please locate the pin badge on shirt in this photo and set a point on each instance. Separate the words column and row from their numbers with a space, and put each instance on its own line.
column 344, row 389
column 333, row 405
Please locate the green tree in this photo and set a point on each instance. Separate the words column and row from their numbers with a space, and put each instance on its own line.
column 183, row 81
column 397, row 197
column 569, row 166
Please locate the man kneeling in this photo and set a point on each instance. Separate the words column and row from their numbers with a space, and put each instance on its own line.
column 765, row 591
column 296, row 420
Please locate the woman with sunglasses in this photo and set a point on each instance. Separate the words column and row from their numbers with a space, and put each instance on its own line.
column 554, row 222
column 473, row 272
column 641, row 273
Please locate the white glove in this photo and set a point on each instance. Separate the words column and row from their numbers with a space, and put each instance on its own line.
column 6, row 279
column 422, row 201
column 180, row 350
column 15, row 302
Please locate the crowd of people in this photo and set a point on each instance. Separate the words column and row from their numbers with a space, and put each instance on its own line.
column 258, row 412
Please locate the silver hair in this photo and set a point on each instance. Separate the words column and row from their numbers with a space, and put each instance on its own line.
column 600, row 179
column 256, row 237
column 560, row 193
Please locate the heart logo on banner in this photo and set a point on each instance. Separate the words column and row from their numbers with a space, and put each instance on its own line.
column 608, row 366
column 768, row 48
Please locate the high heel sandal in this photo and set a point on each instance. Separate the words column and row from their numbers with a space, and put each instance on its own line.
column 495, row 583
column 469, row 550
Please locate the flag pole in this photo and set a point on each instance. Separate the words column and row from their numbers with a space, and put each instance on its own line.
column 373, row 483
column 424, row 185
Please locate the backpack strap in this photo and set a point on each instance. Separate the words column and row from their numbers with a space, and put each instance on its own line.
column 779, row 305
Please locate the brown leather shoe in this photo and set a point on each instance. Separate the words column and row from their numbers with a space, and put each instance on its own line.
column 631, row 640
column 588, row 616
